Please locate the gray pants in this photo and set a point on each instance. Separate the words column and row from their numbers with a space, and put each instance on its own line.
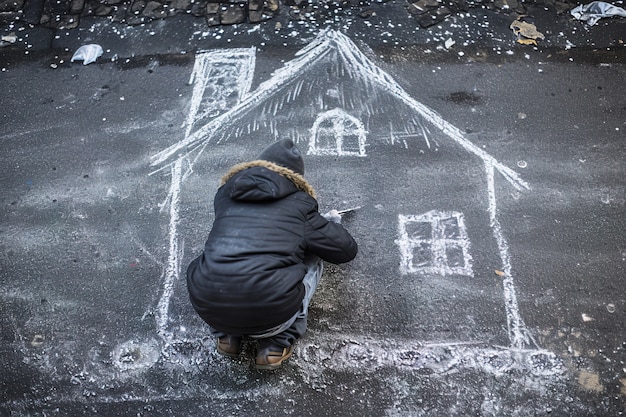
column 294, row 328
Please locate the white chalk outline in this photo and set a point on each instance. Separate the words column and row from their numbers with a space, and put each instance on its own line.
column 343, row 126
column 234, row 68
column 438, row 244
column 208, row 64
column 357, row 66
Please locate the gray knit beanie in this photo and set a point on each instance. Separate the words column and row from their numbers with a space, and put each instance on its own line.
column 284, row 153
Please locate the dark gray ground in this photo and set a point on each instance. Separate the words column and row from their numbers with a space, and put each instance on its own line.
column 84, row 244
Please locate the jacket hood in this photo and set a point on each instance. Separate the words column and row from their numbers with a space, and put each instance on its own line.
column 261, row 185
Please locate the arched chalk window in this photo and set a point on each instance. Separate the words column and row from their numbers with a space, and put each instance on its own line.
column 335, row 132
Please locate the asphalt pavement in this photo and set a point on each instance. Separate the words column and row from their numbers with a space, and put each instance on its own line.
column 489, row 177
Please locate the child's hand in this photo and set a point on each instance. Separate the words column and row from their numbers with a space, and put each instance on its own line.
column 333, row 216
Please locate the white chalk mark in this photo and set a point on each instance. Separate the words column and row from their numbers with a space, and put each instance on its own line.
column 350, row 61
column 136, row 356
column 518, row 334
column 335, row 132
column 425, row 134
column 434, row 243
column 281, row 77
column 220, row 80
column 369, row 355
column 357, row 66
column 173, row 263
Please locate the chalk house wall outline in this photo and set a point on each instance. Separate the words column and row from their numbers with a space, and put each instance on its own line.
column 180, row 157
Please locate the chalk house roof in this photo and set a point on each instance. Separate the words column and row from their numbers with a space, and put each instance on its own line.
column 351, row 63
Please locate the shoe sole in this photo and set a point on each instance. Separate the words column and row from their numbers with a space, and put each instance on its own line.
column 230, row 355
column 273, row 366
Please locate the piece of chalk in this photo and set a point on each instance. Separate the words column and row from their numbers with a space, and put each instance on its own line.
column 348, row 210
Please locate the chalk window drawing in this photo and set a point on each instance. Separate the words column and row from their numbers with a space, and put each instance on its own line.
column 435, row 242
column 335, row 132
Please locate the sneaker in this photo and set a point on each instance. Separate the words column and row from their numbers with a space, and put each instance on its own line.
column 229, row 346
column 271, row 356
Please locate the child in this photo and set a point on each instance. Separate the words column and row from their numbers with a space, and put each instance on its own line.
column 263, row 258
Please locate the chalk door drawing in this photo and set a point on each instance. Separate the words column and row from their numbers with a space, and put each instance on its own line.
column 328, row 115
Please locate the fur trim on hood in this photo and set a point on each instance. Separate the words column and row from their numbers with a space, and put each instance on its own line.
column 297, row 179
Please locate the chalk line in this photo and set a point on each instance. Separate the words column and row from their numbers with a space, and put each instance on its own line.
column 266, row 89
column 172, row 269
column 367, row 355
column 342, row 125
column 437, row 239
column 234, row 68
column 518, row 334
column 357, row 65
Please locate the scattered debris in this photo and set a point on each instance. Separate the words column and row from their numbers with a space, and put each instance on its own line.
column 587, row 317
column 527, row 33
column 38, row 340
column 9, row 39
column 590, row 381
column 595, row 11
column 499, row 273
column 525, row 41
column 87, row 53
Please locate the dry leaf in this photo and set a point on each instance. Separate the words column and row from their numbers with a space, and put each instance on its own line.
column 525, row 29
column 524, row 41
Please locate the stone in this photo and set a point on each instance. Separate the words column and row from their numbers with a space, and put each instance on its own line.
column 33, row 11
column 137, row 7
column 427, row 3
column 44, row 19
column 212, row 8
column 154, row 10
column 198, row 8
column 562, row 7
column 433, row 17
column 413, row 10
column 255, row 5
column 69, row 22
column 233, row 13
column 136, row 20
column 119, row 12
column 212, row 19
column 77, row 6
column 179, row 5
column 256, row 16
column 103, row 10
column 271, row 5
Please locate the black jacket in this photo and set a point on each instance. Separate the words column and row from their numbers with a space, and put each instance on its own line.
column 249, row 276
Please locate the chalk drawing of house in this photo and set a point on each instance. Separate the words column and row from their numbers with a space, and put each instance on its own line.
column 348, row 113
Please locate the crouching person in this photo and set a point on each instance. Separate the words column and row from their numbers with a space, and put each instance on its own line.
column 263, row 258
